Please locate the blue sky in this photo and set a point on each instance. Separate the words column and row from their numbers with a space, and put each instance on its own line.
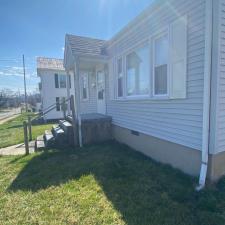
column 38, row 28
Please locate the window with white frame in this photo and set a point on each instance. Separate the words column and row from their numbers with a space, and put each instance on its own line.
column 168, row 73
column 60, row 104
column 84, row 86
column 160, row 67
column 120, row 77
column 60, row 81
column 138, row 72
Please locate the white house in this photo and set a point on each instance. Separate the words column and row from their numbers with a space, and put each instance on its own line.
column 162, row 80
column 53, row 86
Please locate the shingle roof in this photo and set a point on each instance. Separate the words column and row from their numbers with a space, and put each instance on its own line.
column 86, row 46
column 50, row 63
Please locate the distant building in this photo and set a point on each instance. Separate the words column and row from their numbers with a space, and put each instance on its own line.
column 53, row 86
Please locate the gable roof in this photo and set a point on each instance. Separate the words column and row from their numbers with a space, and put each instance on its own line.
column 86, row 46
column 50, row 63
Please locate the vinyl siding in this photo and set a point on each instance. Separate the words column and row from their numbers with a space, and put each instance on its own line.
column 178, row 121
column 220, row 144
column 49, row 93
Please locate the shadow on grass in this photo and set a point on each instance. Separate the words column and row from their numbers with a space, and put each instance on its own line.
column 144, row 192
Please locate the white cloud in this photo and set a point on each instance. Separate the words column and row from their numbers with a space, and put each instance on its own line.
column 17, row 71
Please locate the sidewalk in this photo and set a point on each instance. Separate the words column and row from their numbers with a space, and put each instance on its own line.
column 17, row 149
column 6, row 119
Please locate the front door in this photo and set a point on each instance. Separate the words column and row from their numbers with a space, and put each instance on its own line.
column 101, row 105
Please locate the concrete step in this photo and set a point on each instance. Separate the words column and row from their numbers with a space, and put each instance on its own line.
column 39, row 143
column 69, row 118
column 66, row 126
column 49, row 139
column 57, row 131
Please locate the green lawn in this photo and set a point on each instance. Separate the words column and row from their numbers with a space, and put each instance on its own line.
column 11, row 132
column 103, row 184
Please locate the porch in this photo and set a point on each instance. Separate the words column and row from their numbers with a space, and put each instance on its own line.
column 93, row 128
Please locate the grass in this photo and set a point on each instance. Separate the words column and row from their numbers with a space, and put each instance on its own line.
column 11, row 132
column 103, row 184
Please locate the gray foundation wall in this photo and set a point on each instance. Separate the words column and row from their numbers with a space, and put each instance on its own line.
column 216, row 167
column 186, row 159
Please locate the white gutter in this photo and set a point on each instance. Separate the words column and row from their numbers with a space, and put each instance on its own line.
column 207, row 93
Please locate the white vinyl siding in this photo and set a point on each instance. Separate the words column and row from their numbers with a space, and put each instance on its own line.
column 178, row 58
column 49, row 92
column 220, row 106
column 175, row 120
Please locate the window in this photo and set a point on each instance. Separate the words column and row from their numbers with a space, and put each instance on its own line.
column 164, row 63
column 84, row 86
column 120, row 77
column 138, row 72
column 56, row 80
column 61, row 104
column 60, row 81
column 57, row 104
column 161, row 52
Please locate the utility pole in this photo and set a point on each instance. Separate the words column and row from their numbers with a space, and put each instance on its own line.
column 25, row 86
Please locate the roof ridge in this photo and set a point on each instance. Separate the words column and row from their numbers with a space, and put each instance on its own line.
column 86, row 37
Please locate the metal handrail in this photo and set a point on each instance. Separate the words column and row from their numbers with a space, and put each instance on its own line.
column 54, row 105
column 42, row 114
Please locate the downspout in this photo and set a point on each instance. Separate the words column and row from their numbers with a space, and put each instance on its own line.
column 207, row 93
column 77, row 97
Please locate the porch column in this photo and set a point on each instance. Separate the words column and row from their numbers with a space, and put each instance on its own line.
column 77, row 99
column 68, row 92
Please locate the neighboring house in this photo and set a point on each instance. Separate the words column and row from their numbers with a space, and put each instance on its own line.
column 53, row 86
column 162, row 80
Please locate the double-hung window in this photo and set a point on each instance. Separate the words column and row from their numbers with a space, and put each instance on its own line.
column 160, row 65
column 120, row 77
column 60, row 104
column 138, row 72
column 84, row 86
column 160, row 68
column 60, row 81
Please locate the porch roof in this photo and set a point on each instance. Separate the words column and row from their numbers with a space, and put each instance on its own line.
column 85, row 46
